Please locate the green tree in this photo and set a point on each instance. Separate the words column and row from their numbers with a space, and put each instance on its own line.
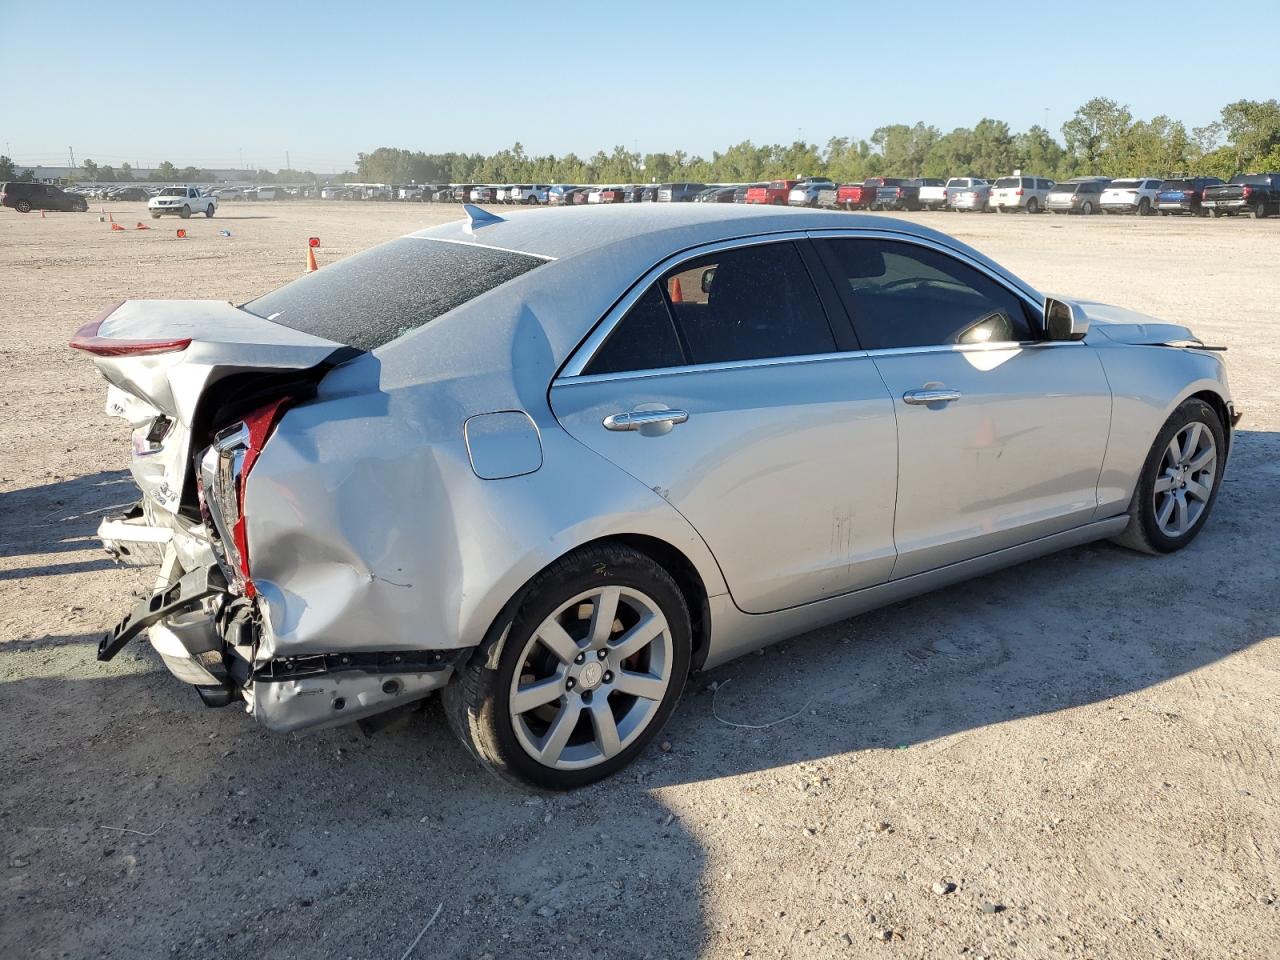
column 1038, row 153
column 1094, row 130
column 1253, row 129
column 165, row 173
column 90, row 169
column 7, row 170
column 125, row 172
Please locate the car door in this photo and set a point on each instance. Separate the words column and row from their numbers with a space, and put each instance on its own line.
column 1001, row 433
column 720, row 383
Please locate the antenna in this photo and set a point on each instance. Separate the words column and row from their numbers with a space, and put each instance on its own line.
column 477, row 218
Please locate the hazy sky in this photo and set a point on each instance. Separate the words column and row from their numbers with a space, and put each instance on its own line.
column 324, row 81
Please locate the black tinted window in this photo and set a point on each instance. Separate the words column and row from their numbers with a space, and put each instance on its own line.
column 371, row 298
column 747, row 304
column 644, row 340
column 903, row 295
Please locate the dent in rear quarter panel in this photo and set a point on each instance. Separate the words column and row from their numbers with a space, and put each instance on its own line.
column 1147, row 384
column 368, row 528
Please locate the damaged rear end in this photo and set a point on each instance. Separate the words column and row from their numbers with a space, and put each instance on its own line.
column 203, row 385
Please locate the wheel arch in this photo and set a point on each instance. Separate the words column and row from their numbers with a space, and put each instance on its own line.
column 668, row 556
column 1219, row 404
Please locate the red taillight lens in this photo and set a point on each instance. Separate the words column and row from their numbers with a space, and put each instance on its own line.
column 88, row 340
column 1248, row 192
column 1019, row 192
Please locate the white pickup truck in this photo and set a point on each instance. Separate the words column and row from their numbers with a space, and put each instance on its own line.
column 184, row 201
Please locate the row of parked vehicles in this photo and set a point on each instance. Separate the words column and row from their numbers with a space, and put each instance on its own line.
column 1257, row 194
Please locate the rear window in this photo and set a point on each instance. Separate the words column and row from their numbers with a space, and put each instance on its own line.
column 1125, row 184
column 1065, row 188
column 374, row 297
column 1256, row 178
column 1178, row 185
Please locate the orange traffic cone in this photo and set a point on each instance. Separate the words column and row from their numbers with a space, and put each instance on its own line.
column 141, row 226
column 116, row 226
column 42, row 216
column 677, row 295
column 110, row 218
column 311, row 260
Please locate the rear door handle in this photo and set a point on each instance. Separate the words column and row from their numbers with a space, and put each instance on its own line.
column 644, row 418
column 931, row 395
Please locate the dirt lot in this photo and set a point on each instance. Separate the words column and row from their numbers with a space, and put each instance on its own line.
column 1086, row 746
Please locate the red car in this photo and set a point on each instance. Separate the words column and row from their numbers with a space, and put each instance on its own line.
column 857, row 196
column 774, row 194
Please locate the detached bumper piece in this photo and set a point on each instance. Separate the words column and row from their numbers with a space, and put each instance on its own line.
column 319, row 664
column 186, row 594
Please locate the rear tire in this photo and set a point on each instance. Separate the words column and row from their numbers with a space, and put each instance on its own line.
column 1260, row 211
column 22, row 206
column 155, row 216
column 1144, row 207
column 1086, row 209
column 1154, row 514
column 478, row 701
column 208, row 212
column 1033, row 205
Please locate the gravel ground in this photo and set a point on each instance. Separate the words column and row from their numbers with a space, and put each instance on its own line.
column 1072, row 758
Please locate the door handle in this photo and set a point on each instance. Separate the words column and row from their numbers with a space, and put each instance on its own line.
column 931, row 395
column 644, row 418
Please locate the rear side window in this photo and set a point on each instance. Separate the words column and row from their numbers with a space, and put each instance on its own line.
column 751, row 303
column 370, row 299
column 644, row 340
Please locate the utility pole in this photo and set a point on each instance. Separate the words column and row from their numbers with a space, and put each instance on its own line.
column 72, row 154
column 287, row 164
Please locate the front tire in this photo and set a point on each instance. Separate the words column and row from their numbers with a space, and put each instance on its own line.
column 594, row 660
column 185, row 212
column 1179, row 482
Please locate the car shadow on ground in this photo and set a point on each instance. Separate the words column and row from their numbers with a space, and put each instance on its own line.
column 332, row 839
column 62, row 515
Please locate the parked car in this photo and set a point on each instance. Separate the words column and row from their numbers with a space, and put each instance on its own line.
column 552, row 535
column 607, row 195
column 1020, row 193
column 679, row 192
column 968, row 194
column 1137, row 195
column 741, row 191
column 562, row 194
column 1257, row 194
column 483, row 194
column 1184, row 195
column 1076, row 196
column 528, row 193
column 25, row 197
column 933, row 193
column 774, row 193
column 805, row 192
column 182, row 201
column 895, row 193
column 828, row 197
column 583, row 194
column 857, row 196
column 649, row 194
column 131, row 194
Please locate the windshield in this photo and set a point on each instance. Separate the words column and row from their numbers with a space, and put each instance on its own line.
column 372, row 298
column 173, row 192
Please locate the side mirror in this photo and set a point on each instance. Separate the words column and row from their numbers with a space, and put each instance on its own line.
column 708, row 278
column 1062, row 321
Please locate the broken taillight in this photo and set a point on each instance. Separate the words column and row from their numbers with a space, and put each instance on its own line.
column 224, row 471
column 87, row 338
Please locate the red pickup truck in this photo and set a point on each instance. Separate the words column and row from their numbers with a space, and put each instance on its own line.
column 858, row 196
column 775, row 193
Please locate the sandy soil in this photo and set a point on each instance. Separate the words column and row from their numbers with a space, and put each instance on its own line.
column 1085, row 746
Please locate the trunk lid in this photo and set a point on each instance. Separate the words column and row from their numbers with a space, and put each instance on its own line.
column 174, row 365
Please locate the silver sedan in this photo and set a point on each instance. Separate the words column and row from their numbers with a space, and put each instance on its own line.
column 551, row 465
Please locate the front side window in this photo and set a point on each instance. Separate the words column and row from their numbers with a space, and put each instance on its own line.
column 750, row 303
column 904, row 295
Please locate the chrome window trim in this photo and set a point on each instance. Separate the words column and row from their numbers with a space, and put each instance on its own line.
column 582, row 356
column 689, row 368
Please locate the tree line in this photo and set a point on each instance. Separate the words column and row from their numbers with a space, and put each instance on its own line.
column 1102, row 138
